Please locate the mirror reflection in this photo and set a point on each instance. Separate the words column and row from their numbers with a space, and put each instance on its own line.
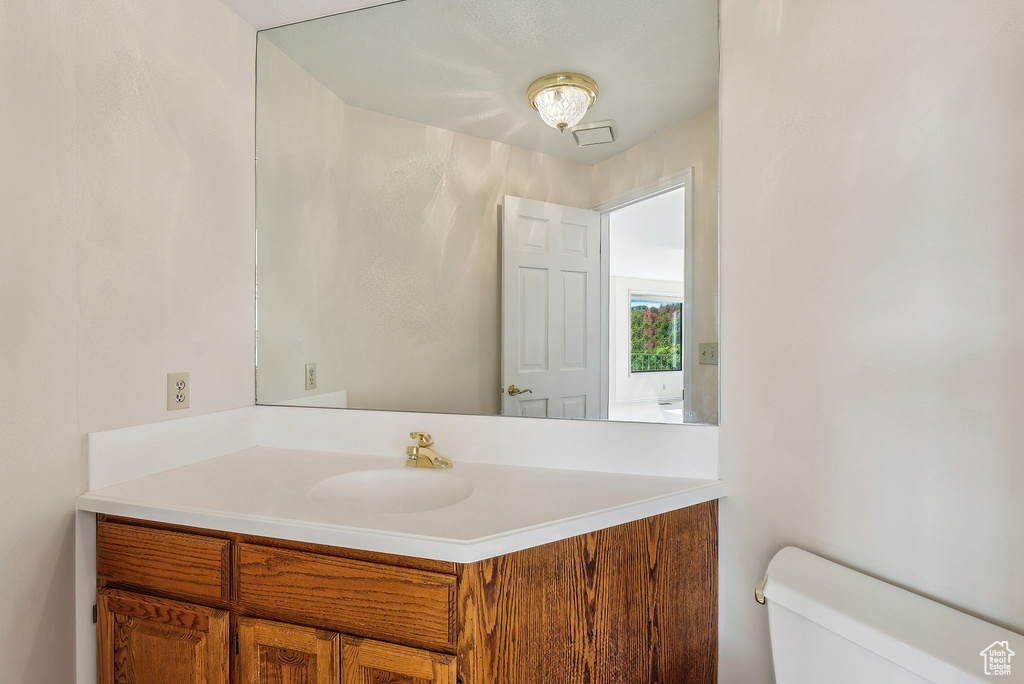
column 484, row 207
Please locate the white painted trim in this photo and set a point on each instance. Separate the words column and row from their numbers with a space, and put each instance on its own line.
column 689, row 292
column 665, row 184
column 605, row 314
column 85, row 597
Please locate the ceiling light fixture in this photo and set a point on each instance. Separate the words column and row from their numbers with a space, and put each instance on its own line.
column 563, row 99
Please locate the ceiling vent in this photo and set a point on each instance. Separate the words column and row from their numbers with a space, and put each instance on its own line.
column 597, row 133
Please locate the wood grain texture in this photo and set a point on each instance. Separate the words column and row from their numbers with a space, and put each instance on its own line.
column 373, row 662
column 633, row 604
column 276, row 653
column 354, row 597
column 146, row 640
column 173, row 563
column 355, row 554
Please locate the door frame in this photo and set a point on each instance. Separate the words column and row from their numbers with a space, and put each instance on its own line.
column 682, row 179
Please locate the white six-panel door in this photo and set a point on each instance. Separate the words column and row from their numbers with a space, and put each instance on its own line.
column 551, row 309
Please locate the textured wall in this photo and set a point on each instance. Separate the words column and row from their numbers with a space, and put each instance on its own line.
column 39, row 439
column 300, row 203
column 379, row 248
column 872, row 301
column 126, row 230
column 693, row 142
column 165, row 207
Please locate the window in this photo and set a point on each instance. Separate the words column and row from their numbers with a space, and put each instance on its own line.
column 655, row 335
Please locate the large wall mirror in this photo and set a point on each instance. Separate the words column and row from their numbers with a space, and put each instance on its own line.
column 491, row 207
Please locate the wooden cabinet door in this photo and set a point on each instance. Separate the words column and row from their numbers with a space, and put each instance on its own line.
column 146, row 640
column 276, row 653
column 374, row 662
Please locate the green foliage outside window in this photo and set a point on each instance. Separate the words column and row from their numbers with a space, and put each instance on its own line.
column 655, row 334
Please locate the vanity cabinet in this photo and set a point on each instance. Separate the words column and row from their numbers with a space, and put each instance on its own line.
column 631, row 604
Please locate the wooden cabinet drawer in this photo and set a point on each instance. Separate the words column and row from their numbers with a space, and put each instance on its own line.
column 166, row 562
column 366, row 599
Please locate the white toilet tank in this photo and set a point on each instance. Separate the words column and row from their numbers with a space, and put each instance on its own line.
column 833, row 625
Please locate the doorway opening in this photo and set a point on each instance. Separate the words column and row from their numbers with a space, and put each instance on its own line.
column 648, row 357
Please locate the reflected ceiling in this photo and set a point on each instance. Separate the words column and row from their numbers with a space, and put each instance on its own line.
column 464, row 65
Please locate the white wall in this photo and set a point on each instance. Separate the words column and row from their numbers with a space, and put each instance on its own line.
column 300, row 125
column 126, row 231
column 872, row 302
column 165, row 207
column 647, row 239
column 39, row 439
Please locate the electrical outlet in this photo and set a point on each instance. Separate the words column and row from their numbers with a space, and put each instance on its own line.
column 708, row 352
column 178, row 387
column 310, row 376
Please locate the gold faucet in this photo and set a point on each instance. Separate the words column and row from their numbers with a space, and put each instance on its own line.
column 422, row 455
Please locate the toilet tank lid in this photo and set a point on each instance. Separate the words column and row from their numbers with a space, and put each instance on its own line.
column 922, row 636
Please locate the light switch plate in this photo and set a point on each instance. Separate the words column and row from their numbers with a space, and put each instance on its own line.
column 310, row 376
column 178, row 386
column 708, row 352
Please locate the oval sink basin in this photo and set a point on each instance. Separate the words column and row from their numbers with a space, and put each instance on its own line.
column 391, row 491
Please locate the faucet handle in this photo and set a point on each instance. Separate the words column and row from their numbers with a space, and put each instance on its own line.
column 425, row 440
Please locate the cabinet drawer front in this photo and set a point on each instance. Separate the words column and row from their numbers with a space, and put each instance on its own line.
column 414, row 607
column 174, row 563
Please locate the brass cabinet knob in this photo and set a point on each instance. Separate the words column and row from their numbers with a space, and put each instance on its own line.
column 513, row 391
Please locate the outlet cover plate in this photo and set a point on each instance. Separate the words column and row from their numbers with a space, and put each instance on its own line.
column 310, row 376
column 708, row 353
column 178, row 387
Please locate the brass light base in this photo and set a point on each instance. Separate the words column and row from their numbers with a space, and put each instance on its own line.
column 566, row 78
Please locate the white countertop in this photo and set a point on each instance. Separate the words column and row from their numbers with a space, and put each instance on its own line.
column 266, row 492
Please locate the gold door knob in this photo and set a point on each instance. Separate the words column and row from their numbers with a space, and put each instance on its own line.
column 513, row 391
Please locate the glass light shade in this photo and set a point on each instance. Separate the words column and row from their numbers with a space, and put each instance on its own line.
column 562, row 106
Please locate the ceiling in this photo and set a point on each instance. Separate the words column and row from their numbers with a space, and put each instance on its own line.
column 647, row 239
column 269, row 13
column 464, row 65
